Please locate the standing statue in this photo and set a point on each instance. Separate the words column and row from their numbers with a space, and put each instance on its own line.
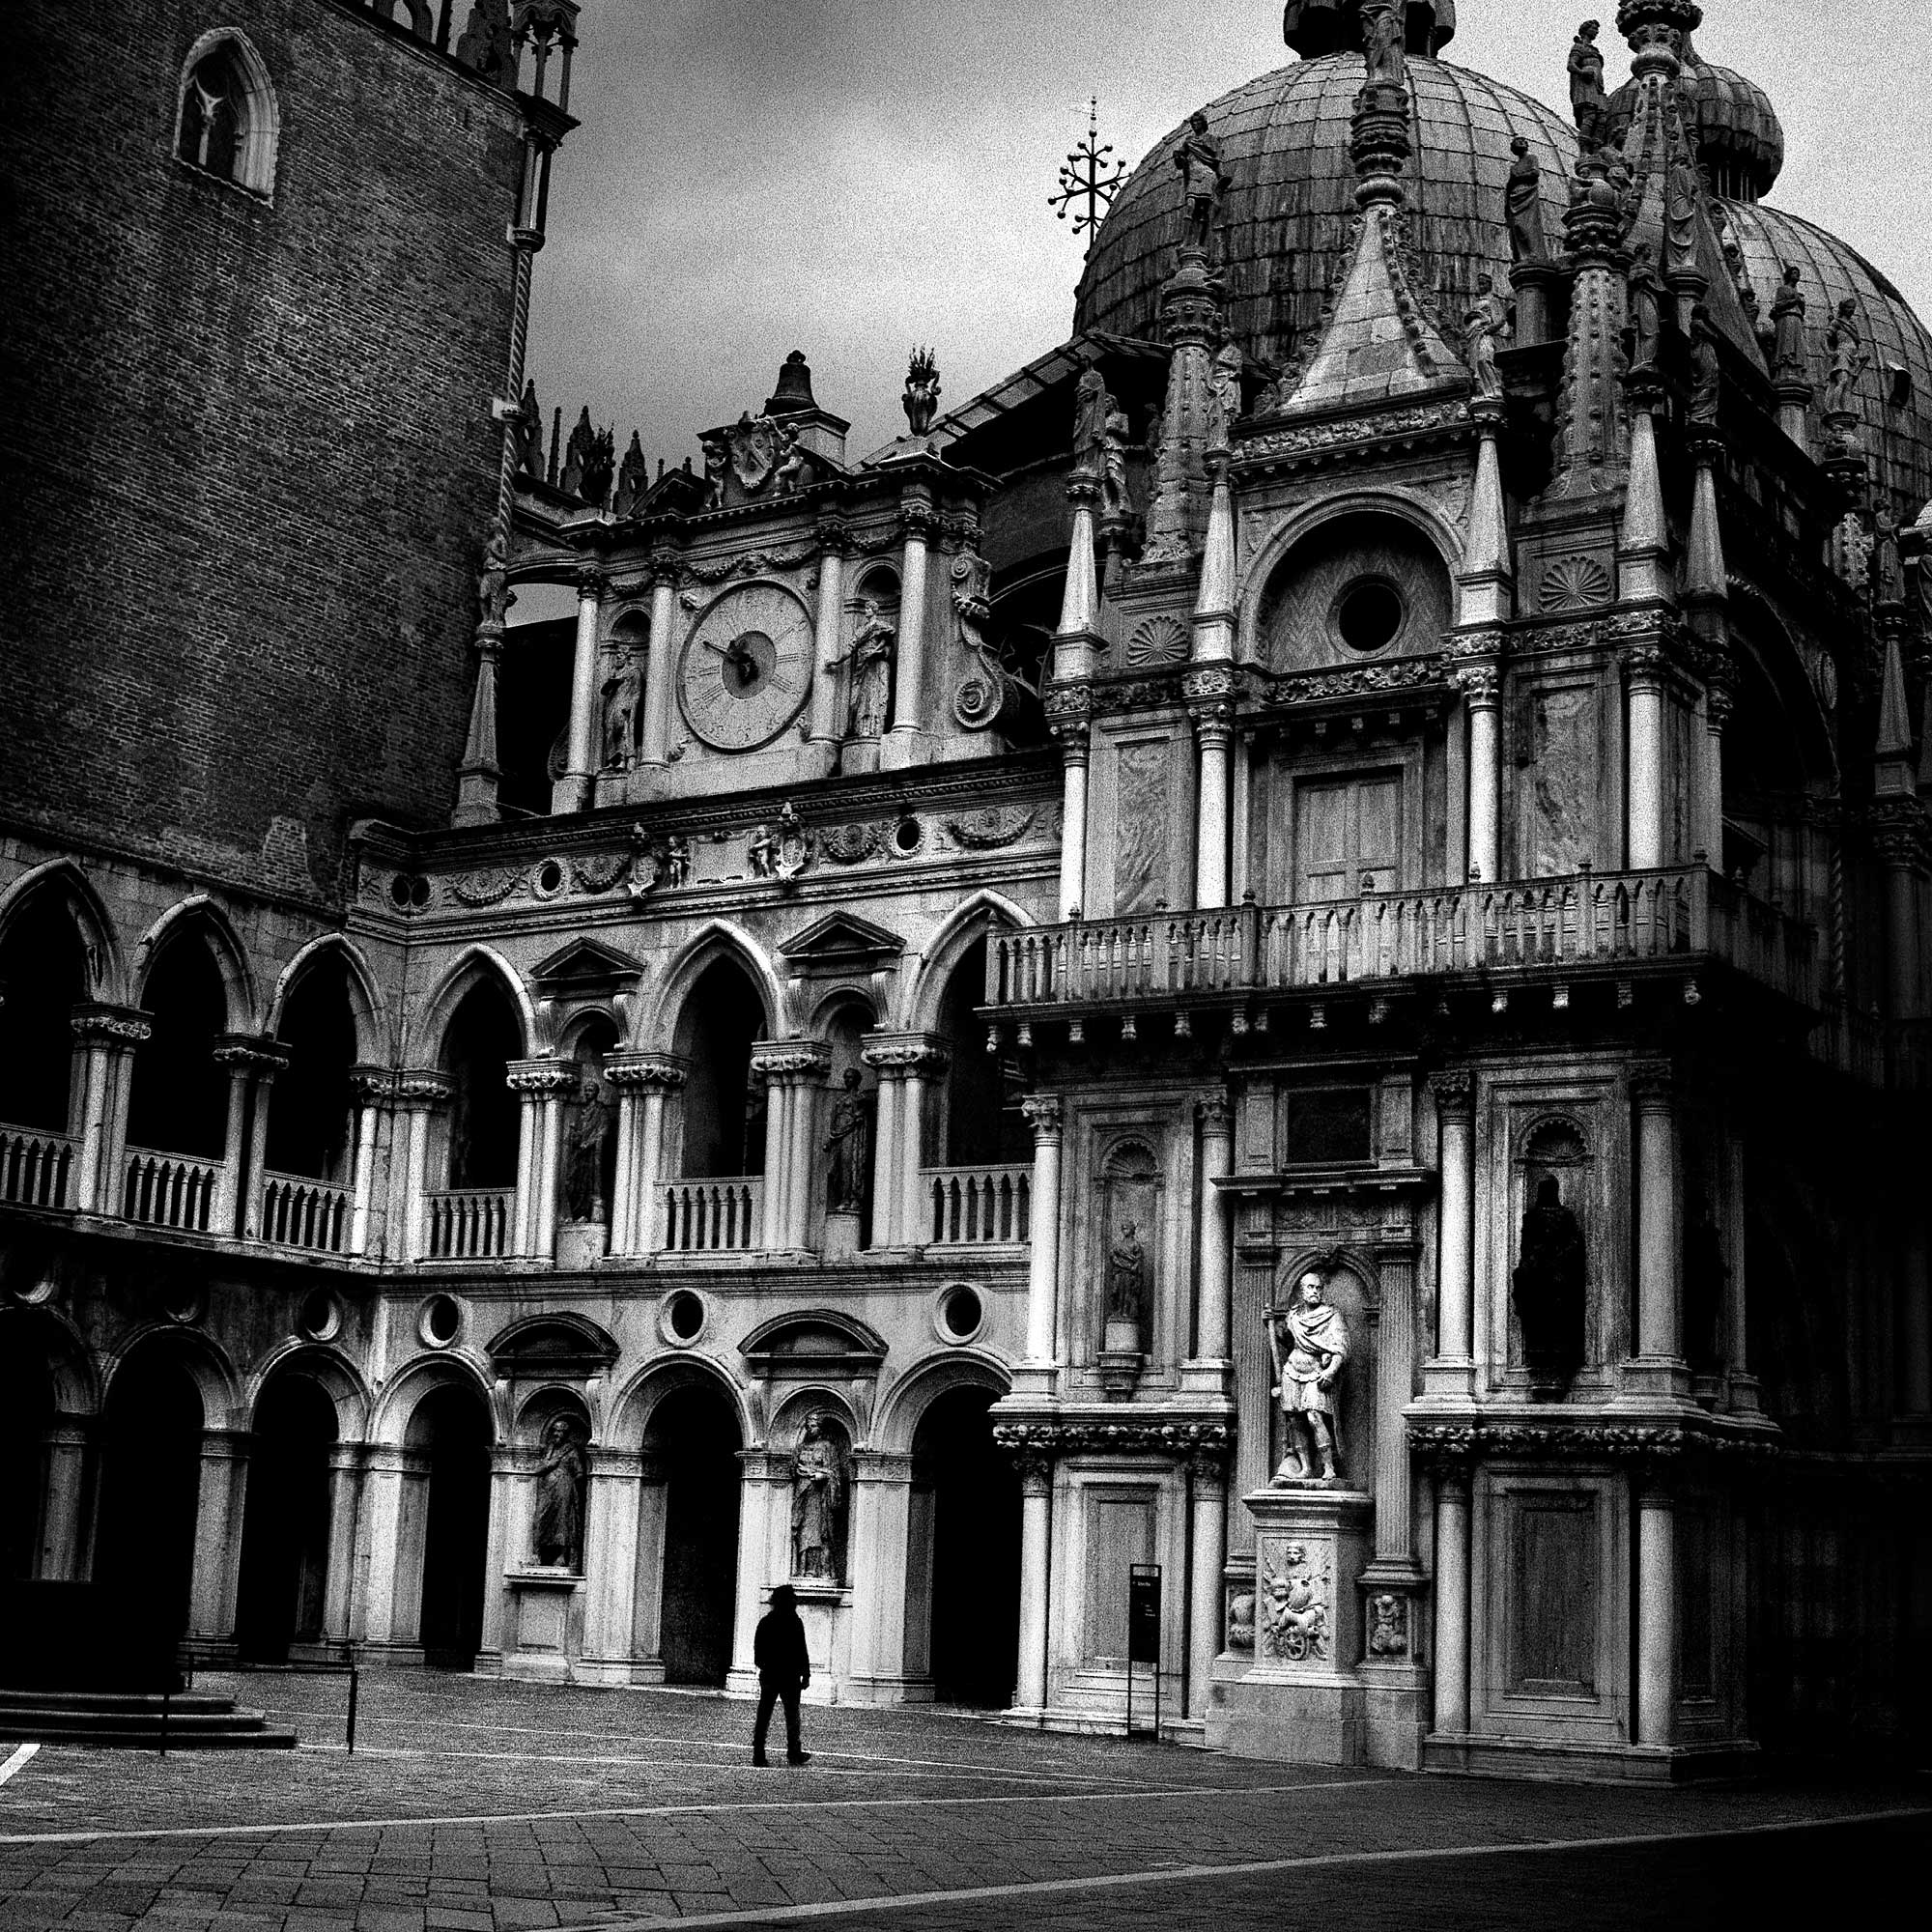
column 584, row 1163
column 1093, row 406
column 623, row 695
column 817, row 1493
column 1483, row 328
column 1522, row 205
column 920, row 401
column 1308, row 1344
column 717, row 460
column 871, row 660
column 1706, row 377
column 676, row 860
column 562, row 1471
column 1547, row 1289
column 848, row 1143
column 1588, row 102
column 1199, row 160
column 1114, row 464
column 1224, row 393
column 788, row 473
column 1681, row 188
column 493, row 583
column 1789, row 362
column 1383, row 42
column 1646, row 309
column 1126, row 1276
column 764, row 853
column 1849, row 361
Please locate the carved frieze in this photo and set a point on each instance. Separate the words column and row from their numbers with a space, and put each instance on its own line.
column 1081, row 1437
column 991, row 826
column 490, row 886
column 1425, row 419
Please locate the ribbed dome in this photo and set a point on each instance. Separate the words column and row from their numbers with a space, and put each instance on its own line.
column 1898, row 435
column 1740, row 138
column 1285, row 219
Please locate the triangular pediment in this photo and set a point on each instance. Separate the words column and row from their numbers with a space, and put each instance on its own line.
column 841, row 939
column 586, row 963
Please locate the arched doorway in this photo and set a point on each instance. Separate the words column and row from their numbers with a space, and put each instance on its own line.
column 724, row 1115
column 285, row 1526
column 26, row 1413
column 449, row 1432
column 150, row 1485
column 695, row 1433
column 310, row 1113
column 42, row 976
column 963, row 1554
column 980, row 1117
column 482, row 1038
column 178, row 1100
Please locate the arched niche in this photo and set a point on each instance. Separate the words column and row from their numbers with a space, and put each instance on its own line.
column 1557, row 1302
column 722, row 1121
column 1352, row 1285
column 1360, row 587
column 1129, row 1190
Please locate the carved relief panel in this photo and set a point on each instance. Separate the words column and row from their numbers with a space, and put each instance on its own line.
column 1142, row 850
column 1565, row 743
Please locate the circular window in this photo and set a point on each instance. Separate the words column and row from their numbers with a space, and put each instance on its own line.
column 908, row 836
column 961, row 1314
column 418, row 893
column 1369, row 614
column 681, row 1320
column 440, row 1320
column 399, row 892
column 318, row 1318
column 550, row 878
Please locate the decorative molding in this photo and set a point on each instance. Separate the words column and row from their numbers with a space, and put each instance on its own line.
column 1177, row 1440
column 1157, row 640
column 991, row 826
column 1575, row 584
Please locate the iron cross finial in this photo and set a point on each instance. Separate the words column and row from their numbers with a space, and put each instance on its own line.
column 1088, row 175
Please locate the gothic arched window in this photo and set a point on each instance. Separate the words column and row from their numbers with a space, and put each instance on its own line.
column 228, row 123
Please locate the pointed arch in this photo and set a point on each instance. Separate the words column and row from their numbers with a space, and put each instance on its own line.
column 106, row 961
column 70, row 1366
column 716, row 939
column 200, row 914
column 228, row 122
column 966, row 924
column 366, row 999
column 422, row 1041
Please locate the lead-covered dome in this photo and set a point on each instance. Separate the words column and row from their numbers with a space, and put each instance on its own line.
column 1286, row 215
column 1739, row 138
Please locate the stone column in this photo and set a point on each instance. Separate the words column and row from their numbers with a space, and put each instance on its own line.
column 370, row 1089
column 389, row 1546
column 542, row 1084
column 1660, row 1311
column 611, row 1564
column 1452, row 1601
column 262, row 1059
column 759, row 1469
column 647, row 1583
column 217, row 1534
column 644, row 1082
column 1720, row 700
column 1070, row 732
column 1043, row 1115
column 574, row 791
column 900, row 748
column 792, row 1069
column 904, row 1062
column 1036, row 1565
column 339, row 1606
column 881, row 1487
column 1213, row 1342
column 887, row 1128
column 1649, row 802
column 419, row 1091
column 1481, row 685
column 661, row 667
column 1656, row 1610
column 827, row 727
column 1210, row 692
column 224, row 1215
column 62, row 1553
column 1205, row 1561
column 1452, row 1372
column 108, row 1036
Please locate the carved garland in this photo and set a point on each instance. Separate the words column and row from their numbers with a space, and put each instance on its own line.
column 1047, row 1440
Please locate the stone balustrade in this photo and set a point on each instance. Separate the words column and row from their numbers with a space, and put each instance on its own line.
column 468, row 1224
column 301, row 1213
column 36, row 1169
column 978, row 1207
column 171, row 1190
column 1587, row 920
column 713, row 1214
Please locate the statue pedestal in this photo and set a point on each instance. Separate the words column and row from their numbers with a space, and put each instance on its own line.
column 1120, row 1358
column 842, row 1235
column 825, row 1609
column 1303, row 1701
column 544, row 1625
column 581, row 1244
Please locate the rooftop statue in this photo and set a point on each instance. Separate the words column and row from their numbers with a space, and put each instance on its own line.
column 920, row 400
column 1199, row 160
column 1789, row 361
column 1849, row 361
column 1093, row 406
column 1588, row 102
column 1645, row 307
column 1383, row 33
column 1523, row 204
column 1484, row 325
column 1706, row 379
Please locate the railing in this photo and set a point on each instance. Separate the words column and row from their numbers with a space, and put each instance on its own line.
column 715, row 1214
column 170, row 1190
column 304, row 1214
column 973, row 1207
column 1587, row 920
column 36, row 1169
column 469, row 1224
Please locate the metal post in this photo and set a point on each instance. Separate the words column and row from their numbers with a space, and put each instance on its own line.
column 354, row 1679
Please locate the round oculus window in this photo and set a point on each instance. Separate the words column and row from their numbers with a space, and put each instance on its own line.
column 961, row 1313
column 318, row 1318
column 684, row 1315
column 1369, row 614
column 441, row 1322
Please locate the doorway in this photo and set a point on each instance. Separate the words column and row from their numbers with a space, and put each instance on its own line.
column 450, row 1431
column 285, row 1526
column 700, row 1444
column 26, row 1414
column 151, row 1488
column 1348, row 837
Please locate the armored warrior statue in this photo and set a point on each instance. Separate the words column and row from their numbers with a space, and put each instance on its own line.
column 1308, row 1343
column 1849, row 361
column 1587, row 99
column 1199, row 160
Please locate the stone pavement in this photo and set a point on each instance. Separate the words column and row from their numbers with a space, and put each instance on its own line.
column 477, row 1807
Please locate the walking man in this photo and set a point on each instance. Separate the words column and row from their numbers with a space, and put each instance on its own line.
column 784, row 1669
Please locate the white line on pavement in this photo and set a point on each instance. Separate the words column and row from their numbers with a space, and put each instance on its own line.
column 927, row 1802
column 839, row 1908
column 14, row 1763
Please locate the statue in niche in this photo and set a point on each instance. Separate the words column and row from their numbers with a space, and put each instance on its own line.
column 873, row 645
column 1646, row 309
column 1706, row 1281
column 1522, row 205
column 1308, row 1343
column 1789, row 362
column 1126, row 1276
column 717, row 460
column 1093, row 406
column 788, row 473
column 623, row 695
column 920, row 400
column 1385, row 37
column 584, row 1162
column 634, row 478
column 1681, row 189
column 1484, row 327
column 562, row 1472
column 1887, row 563
column 1224, row 393
column 849, row 1144
column 1849, row 361
column 1203, row 183
column 1548, row 1287
column 1706, row 377
column 818, row 1496
column 1588, row 100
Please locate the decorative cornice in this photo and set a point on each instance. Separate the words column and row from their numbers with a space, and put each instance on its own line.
column 542, row 1076
column 1341, row 433
column 1583, row 1438
column 125, row 1026
column 1074, row 1438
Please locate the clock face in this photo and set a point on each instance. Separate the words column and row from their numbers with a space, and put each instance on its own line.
column 746, row 667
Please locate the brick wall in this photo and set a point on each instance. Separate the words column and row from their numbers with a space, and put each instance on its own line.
column 245, row 445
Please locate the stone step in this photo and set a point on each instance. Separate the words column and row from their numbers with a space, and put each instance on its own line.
column 131, row 1721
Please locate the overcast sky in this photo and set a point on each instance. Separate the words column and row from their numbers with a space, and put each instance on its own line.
column 854, row 177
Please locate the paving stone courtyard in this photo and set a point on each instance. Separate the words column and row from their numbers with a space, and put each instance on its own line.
column 477, row 1807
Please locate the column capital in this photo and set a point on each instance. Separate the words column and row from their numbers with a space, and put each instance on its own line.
column 666, row 563
column 593, row 583
column 1455, row 1091
column 370, row 1085
column 917, row 520
column 1043, row 1115
column 114, row 1026
column 1216, row 1115
column 892, row 1056
column 665, row 1072
column 252, row 1053
column 881, row 1465
column 541, row 1076
column 422, row 1087
column 1653, row 1086
column 790, row 1062
column 1209, row 1471
column 1480, row 681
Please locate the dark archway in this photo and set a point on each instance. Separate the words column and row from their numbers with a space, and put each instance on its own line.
column 310, row 1114
column 723, row 1116
column 179, row 1102
column 450, row 1431
column 150, row 1487
column 26, row 1414
column 285, row 1527
column 43, row 977
column 981, row 1122
column 482, row 1038
column 695, row 1433
column 964, row 1549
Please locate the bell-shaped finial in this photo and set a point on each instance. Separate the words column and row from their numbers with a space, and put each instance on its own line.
column 794, row 389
